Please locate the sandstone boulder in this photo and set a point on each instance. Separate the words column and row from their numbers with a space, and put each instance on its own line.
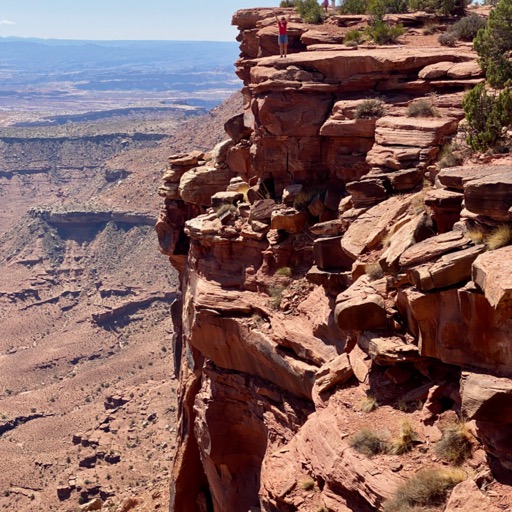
column 336, row 371
column 366, row 192
column 368, row 230
column 492, row 272
column 413, row 131
column 490, row 196
column 329, row 255
column 433, row 248
column 289, row 220
column 467, row 497
column 487, row 398
column 198, row 185
column 360, row 307
column 448, row 270
column 455, row 177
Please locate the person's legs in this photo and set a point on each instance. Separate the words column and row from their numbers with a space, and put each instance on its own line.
column 285, row 49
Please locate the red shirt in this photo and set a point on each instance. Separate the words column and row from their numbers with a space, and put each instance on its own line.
column 282, row 27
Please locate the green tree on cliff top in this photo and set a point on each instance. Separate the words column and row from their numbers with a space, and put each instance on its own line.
column 494, row 44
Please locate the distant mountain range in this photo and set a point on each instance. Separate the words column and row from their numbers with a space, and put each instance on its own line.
column 192, row 72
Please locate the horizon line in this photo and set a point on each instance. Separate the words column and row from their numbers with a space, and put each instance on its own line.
column 122, row 40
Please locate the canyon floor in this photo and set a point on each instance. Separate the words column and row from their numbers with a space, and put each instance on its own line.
column 87, row 393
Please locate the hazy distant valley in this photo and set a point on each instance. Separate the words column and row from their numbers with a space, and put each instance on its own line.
column 86, row 329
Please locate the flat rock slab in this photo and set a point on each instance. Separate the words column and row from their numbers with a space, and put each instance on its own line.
column 455, row 177
column 486, row 398
column 369, row 228
column 490, row 196
column 450, row 269
column 413, row 131
column 492, row 272
column 433, row 248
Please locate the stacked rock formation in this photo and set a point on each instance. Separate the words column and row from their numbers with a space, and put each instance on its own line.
column 318, row 268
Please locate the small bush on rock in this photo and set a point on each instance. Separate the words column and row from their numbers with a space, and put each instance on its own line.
column 487, row 116
column 467, row 28
column 421, row 108
column 309, row 10
column 353, row 36
column 447, row 39
column 369, row 109
column 427, row 488
column 455, row 445
column 384, row 33
column 368, row 442
column 354, row 7
column 405, row 440
column 368, row 404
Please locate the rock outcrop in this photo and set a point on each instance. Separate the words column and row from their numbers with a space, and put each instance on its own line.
column 318, row 270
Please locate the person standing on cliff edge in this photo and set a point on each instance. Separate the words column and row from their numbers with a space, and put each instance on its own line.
column 282, row 38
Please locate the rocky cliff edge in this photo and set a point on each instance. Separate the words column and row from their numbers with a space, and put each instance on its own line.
column 329, row 269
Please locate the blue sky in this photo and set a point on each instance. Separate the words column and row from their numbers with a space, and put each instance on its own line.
column 200, row 20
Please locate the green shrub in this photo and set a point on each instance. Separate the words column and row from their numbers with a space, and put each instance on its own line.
column 427, row 488
column 309, row 10
column 284, row 271
column 440, row 6
column 287, row 3
column 353, row 36
column 447, row 39
column 467, row 28
column 455, row 445
column 487, row 116
column 368, row 442
column 354, row 7
column 388, row 6
column 494, row 43
column 369, row 109
column 421, row 108
column 276, row 295
column 384, row 33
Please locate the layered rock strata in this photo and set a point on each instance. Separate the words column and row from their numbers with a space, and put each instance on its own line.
column 317, row 269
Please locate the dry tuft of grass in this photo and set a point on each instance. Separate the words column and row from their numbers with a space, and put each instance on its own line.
column 405, row 440
column 455, row 446
column 368, row 442
column 284, row 271
column 307, row 485
column 499, row 237
column 374, row 270
column 476, row 234
column 368, row 404
column 427, row 488
column 370, row 109
column 276, row 295
column 225, row 208
column 421, row 108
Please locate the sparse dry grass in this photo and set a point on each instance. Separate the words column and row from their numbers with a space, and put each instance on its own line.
column 308, row 484
column 427, row 488
column 405, row 440
column 276, row 295
column 225, row 208
column 368, row 442
column 284, row 271
column 374, row 270
column 455, row 446
column 368, row 404
column 421, row 108
column 499, row 237
column 476, row 234
column 370, row 109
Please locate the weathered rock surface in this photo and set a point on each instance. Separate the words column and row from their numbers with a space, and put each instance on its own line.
column 334, row 281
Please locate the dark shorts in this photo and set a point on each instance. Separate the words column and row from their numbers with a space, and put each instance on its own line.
column 282, row 39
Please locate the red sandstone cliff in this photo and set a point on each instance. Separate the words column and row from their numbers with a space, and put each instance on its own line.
column 324, row 260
